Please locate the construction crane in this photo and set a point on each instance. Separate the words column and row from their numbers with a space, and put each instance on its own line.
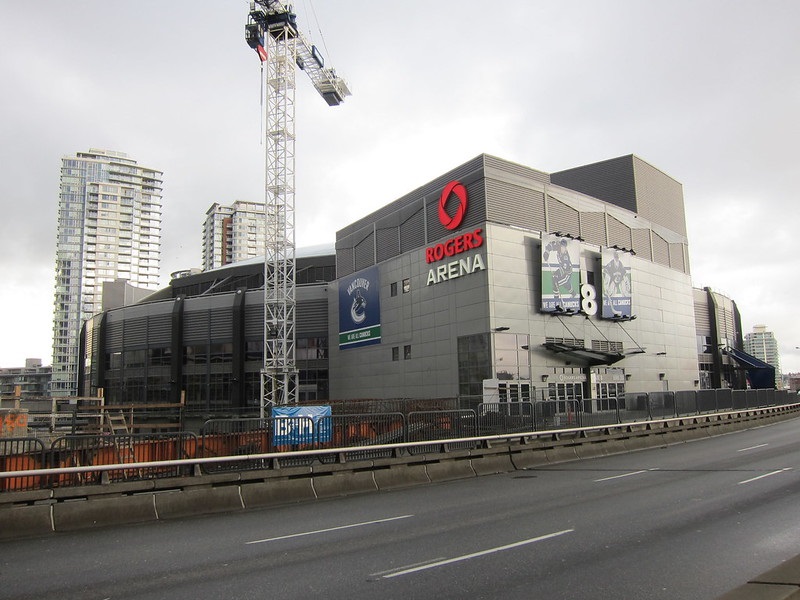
column 272, row 31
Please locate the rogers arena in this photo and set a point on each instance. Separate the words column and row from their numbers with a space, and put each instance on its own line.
column 492, row 282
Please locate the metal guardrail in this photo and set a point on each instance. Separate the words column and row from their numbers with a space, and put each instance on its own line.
column 345, row 454
column 246, row 444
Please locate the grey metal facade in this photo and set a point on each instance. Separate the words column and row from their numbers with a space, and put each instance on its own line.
column 426, row 331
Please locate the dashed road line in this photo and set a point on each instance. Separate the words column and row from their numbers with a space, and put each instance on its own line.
column 752, row 447
column 764, row 475
column 624, row 475
column 339, row 528
column 440, row 563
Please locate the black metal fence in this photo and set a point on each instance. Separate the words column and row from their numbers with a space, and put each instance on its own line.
column 23, row 454
column 253, row 436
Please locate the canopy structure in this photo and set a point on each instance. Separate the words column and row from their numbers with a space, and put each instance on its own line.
column 583, row 355
column 760, row 374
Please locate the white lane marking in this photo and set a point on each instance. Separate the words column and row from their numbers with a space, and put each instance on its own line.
column 380, row 574
column 440, row 563
column 764, row 475
column 752, row 447
column 624, row 475
column 318, row 531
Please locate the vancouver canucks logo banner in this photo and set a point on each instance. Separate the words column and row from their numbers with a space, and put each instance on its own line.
column 359, row 309
column 561, row 276
column 616, row 283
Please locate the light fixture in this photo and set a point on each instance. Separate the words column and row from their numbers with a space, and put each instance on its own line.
column 503, row 328
column 628, row 376
column 662, row 376
column 545, row 377
column 696, row 382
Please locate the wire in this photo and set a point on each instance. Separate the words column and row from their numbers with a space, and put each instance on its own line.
column 319, row 29
column 262, row 86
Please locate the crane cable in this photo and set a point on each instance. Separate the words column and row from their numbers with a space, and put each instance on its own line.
column 262, row 85
column 319, row 30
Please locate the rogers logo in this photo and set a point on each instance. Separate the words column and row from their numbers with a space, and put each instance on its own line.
column 453, row 188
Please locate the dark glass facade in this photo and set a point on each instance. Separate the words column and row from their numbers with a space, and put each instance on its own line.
column 200, row 342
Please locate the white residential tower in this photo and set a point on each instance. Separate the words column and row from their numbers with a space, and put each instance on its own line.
column 109, row 228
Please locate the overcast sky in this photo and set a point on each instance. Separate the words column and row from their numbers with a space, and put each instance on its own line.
column 707, row 91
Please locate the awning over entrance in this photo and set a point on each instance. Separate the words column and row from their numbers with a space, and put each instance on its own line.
column 760, row 374
column 592, row 358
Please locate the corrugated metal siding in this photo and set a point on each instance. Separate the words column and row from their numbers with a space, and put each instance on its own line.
column 160, row 329
column 702, row 318
column 660, row 250
column 659, row 197
column 220, row 324
column 114, row 335
column 498, row 164
column 562, row 218
column 345, row 258
column 514, row 204
column 619, row 234
column 641, row 243
column 609, row 180
column 676, row 257
column 387, row 243
column 412, row 230
column 729, row 324
column 365, row 252
column 312, row 317
column 135, row 332
column 195, row 325
column 593, row 227
column 254, row 321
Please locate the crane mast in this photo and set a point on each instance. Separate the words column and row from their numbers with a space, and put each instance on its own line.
column 271, row 30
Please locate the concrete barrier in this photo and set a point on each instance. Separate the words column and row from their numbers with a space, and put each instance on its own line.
column 557, row 454
column 523, row 457
column 490, row 464
column 197, row 501
column 400, row 475
column 274, row 491
column 103, row 511
column 593, row 448
column 446, row 469
column 30, row 513
column 780, row 583
column 25, row 521
column 344, row 483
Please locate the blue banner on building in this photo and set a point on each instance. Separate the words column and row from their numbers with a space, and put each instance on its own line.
column 360, row 309
column 301, row 425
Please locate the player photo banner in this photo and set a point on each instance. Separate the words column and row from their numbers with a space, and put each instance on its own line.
column 616, row 283
column 359, row 309
column 561, row 279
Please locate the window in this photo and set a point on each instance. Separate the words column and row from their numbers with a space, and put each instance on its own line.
column 406, row 286
column 393, row 289
column 407, row 352
column 396, row 353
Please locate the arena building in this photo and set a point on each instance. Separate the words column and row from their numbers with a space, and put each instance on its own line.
column 493, row 282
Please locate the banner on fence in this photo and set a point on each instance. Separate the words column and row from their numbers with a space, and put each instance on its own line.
column 301, row 424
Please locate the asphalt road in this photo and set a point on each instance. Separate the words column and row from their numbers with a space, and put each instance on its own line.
column 682, row 522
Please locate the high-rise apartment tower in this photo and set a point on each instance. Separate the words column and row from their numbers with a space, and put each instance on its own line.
column 233, row 233
column 763, row 345
column 109, row 228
